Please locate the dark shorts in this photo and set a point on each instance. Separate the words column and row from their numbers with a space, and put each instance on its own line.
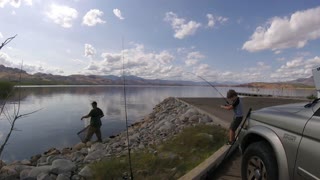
column 235, row 123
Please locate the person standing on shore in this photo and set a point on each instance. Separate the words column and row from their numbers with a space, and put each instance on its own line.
column 236, row 106
column 95, row 122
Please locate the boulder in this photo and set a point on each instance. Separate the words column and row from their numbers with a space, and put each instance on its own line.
column 205, row 119
column 24, row 173
column 86, row 172
column 62, row 177
column 2, row 164
column 38, row 170
column 194, row 118
column 98, row 154
column 44, row 176
column 25, row 162
column 96, row 146
column 79, row 146
column 63, row 165
column 52, row 151
column 66, row 151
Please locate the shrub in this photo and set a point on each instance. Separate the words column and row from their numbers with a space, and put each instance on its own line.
column 5, row 88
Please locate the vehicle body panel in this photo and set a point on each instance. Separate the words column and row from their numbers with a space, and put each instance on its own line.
column 286, row 129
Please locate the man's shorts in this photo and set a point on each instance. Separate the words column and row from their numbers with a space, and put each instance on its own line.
column 235, row 123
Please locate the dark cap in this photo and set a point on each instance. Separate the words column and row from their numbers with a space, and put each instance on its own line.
column 94, row 103
column 231, row 93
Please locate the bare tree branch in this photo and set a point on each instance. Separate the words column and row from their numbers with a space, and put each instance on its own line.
column 7, row 41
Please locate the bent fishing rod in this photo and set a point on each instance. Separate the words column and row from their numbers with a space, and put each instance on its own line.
column 211, row 86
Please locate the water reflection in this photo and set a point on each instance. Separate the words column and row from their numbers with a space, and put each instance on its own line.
column 61, row 107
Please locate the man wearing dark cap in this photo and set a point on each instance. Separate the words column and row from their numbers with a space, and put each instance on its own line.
column 236, row 106
column 95, row 122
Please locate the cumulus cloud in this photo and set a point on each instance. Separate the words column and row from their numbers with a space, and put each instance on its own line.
column 15, row 3
column 92, row 18
column 62, row 15
column 193, row 58
column 8, row 61
column 286, row 32
column 296, row 68
column 181, row 28
column 137, row 61
column 213, row 20
column 89, row 50
column 117, row 13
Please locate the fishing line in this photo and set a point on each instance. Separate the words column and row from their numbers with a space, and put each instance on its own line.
column 125, row 110
column 211, row 86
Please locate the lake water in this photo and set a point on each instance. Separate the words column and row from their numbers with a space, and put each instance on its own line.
column 60, row 108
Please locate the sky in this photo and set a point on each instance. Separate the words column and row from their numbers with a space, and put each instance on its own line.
column 220, row 40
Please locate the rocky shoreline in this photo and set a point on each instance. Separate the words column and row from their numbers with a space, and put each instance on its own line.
column 168, row 118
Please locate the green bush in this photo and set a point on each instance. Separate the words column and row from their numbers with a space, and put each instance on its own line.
column 5, row 88
column 312, row 97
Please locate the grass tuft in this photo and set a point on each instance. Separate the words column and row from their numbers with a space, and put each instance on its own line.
column 172, row 159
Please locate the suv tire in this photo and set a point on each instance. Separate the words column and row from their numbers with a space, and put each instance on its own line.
column 259, row 162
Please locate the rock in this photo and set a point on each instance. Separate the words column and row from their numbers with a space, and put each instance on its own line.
column 52, row 151
column 76, row 177
column 24, row 173
column 97, row 146
column 86, row 172
column 9, row 170
column 25, row 162
column 79, row 146
column 66, row 151
column 44, row 176
column 63, row 165
column 34, row 159
column 28, row 178
column 98, row 154
column 106, row 140
column 205, row 119
column 77, row 156
column 167, row 126
column 50, row 159
column 89, row 143
column 194, row 118
column 62, row 177
column 2, row 164
column 38, row 170
column 20, row 168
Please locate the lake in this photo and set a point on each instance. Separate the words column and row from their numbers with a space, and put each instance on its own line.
column 60, row 108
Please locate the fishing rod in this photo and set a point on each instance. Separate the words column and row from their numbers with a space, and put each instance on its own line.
column 225, row 99
column 7, row 41
column 125, row 110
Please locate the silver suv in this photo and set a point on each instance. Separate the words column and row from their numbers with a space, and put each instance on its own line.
column 282, row 142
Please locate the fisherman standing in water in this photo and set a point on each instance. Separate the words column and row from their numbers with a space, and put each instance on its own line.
column 238, row 115
column 95, row 122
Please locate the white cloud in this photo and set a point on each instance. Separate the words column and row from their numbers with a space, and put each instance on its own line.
column 3, row 3
column 137, row 61
column 1, row 36
column 180, row 26
column 213, row 20
column 13, row 13
column 62, row 15
column 164, row 57
column 89, row 50
column 296, row 68
column 117, row 13
column 193, row 58
column 15, row 3
column 92, row 18
column 281, row 33
column 41, row 67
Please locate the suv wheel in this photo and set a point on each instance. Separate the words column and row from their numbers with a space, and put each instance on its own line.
column 259, row 163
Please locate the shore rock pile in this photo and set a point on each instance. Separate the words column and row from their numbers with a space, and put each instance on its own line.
column 167, row 119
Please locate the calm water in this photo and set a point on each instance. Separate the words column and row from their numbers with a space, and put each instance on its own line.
column 61, row 107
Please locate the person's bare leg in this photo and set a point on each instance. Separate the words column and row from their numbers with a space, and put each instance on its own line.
column 231, row 135
column 98, row 134
column 91, row 131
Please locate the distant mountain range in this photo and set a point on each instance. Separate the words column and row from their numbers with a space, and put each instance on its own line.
column 13, row 75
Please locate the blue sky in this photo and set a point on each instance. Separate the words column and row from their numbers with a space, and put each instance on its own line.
column 241, row 41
